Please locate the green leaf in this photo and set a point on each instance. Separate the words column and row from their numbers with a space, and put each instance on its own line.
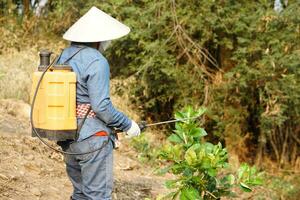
column 242, row 170
column 256, row 181
column 171, row 195
column 201, row 111
column 203, row 132
column 178, row 127
column 170, row 184
column 175, row 138
column 231, row 179
column 190, row 156
column 220, row 145
column 245, row 187
column 197, row 132
column 189, row 194
column 179, row 115
column 212, row 172
column 177, row 168
column 208, row 147
column 188, row 172
column 205, row 163
column 189, row 111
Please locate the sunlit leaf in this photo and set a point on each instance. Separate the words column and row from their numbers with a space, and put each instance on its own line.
column 245, row 187
column 202, row 132
column 201, row 111
column 190, row 156
column 212, row 172
column 231, row 179
column 189, row 194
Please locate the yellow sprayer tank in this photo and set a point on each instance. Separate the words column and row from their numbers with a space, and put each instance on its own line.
column 54, row 113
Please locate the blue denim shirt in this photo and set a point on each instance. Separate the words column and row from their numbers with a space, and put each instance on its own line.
column 92, row 73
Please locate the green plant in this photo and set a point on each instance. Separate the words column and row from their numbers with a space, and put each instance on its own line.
column 146, row 150
column 199, row 165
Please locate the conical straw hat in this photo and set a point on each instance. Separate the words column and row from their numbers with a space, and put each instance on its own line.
column 96, row 26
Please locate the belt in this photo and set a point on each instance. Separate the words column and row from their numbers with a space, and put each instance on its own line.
column 82, row 109
column 101, row 133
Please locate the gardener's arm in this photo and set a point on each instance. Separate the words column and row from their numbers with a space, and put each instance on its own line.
column 98, row 75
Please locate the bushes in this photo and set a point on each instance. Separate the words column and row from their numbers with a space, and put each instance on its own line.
column 259, row 95
column 238, row 58
column 241, row 59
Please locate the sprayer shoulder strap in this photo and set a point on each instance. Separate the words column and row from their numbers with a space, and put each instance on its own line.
column 69, row 58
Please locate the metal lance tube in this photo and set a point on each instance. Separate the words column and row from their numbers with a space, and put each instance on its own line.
column 170, row 121
column 144, row 125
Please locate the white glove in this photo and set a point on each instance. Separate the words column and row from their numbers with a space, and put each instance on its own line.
column 134, row 130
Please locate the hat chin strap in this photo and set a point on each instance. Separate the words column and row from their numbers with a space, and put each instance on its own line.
column 104, row 45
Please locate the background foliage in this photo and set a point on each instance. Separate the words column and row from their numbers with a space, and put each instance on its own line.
column 238, row 58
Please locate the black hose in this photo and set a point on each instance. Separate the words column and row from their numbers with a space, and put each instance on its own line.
column 35, row 130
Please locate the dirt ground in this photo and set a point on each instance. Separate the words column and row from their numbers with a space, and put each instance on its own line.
column 28, row 170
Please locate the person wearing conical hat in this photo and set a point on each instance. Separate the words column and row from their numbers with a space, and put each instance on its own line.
column 92, row 174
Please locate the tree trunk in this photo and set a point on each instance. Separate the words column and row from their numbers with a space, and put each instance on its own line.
column 26, row 4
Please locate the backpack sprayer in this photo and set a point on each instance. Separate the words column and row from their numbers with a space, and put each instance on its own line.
column 53, row 109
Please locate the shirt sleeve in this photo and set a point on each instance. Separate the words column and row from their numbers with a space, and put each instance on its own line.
column 98, row 74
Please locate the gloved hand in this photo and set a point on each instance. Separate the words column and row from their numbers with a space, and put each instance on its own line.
column 134, row 130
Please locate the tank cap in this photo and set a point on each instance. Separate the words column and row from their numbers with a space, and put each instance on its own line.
column 44, row 59
column 45, row 52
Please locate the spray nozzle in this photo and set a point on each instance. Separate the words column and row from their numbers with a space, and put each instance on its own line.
column 142, row 125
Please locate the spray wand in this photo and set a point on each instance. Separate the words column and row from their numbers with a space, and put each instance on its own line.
column 143, row 124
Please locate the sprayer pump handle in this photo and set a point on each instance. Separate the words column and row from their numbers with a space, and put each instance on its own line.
column 142, row 125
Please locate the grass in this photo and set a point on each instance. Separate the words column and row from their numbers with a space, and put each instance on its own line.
column 16, row 68
column 15, row 79
column 284, row 185
column 277, row 186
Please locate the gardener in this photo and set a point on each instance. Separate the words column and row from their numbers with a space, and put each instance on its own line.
column 92, row 174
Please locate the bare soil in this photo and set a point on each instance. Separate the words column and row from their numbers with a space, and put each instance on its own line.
column 28, row 170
